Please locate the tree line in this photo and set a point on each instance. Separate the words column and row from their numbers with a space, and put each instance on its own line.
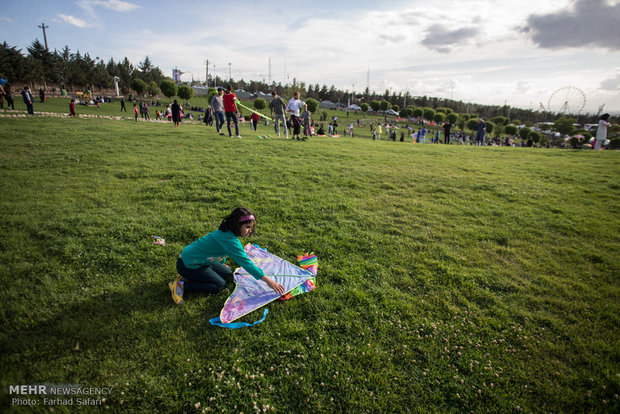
column 79, row 71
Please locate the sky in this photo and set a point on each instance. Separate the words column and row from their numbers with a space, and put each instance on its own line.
column 521, row 53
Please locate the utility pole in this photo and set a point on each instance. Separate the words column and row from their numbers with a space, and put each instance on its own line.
column 43, row 26
column 229, row 72
column 207, row 62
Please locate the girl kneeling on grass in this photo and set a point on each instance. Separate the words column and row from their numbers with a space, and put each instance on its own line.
column 200, row 264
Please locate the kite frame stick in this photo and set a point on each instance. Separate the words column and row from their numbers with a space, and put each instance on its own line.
column 253, row 111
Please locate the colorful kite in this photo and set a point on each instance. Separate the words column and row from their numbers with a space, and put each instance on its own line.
column 251, row 294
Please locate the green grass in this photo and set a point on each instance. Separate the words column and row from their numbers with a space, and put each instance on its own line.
column 451, row 278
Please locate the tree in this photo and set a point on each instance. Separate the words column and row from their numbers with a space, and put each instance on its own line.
column 375, row 105
column 429, row 114
column 185, row 92
column 395, row 107
column 313, row 105
column 524, row 132
column 168, row 88
column 439, row 117
column 418, row 112
column 452, row 117
column 564, row 125
column 212, row 93
column 510, row 130
column 260, row 103
column 472, row 124
column 139, row 86
column 384, row 105
column 365, row 107
column 534, row 136
column 153, row 89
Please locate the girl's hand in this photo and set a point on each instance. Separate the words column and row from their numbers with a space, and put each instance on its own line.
column 274, row 285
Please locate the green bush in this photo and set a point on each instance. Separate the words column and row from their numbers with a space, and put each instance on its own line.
column 260, row 103
column 313, row 105
column 168, row 88
column 185, row 92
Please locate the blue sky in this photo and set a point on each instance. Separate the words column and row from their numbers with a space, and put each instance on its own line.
column 484, row 51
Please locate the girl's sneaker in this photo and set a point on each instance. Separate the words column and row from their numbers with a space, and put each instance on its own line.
column 176, row 288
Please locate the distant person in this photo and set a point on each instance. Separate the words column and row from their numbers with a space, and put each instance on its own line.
column 306, row 117
column 41, row 95
column 217, row 106
column 277, row 106
column 254, row 121
column 175, row 110
column 72, row 108
column 446, row 132
column 292, row 108
column 601, row 131
column 10, row 104
column 123, row 107
column 28, row 100
column 135, row 112
column 230, row 109
column 480, row 131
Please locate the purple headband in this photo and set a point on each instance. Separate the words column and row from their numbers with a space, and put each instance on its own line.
column 247, row 218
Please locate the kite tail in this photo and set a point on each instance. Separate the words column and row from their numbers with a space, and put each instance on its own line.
column 236, row 325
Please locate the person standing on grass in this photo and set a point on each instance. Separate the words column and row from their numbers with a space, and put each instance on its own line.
column 201, row 264
column 28, row 100
column 482, row 128
column 306, row 116
column 175, row 110
column 292, row 108
column 217, row 106
column 277, row 106
column 447, row 126
column 601, row 131
column 72, row 108
column 135, row 112
column 230, row 108
column 123, row 107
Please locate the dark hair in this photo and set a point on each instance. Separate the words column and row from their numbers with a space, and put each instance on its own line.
column 229, row 87
column 233, row 222
column 605, row 117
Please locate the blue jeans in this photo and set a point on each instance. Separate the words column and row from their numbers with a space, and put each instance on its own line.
column 205, row 279
column 219, row 121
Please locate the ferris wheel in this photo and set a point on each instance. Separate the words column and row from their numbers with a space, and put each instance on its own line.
column 567, row 100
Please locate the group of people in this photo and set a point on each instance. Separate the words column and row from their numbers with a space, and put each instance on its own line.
column 224, row 108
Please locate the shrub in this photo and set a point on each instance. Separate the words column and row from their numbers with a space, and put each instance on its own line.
column 139, row 86
column 313, row 105
column 510, row 129
column 524, row 132
column 168, row 88
column 260, row 103
column 439, row 117
column 185, row 92
column 429, row 114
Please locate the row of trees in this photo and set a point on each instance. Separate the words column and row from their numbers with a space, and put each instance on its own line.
column 73, row 71
column 77, row 71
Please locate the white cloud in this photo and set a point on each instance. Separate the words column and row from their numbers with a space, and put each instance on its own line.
column 6, row 19
column 116, row 5
column 75, row 21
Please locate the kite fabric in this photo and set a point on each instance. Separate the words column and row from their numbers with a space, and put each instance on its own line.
column 251, row 294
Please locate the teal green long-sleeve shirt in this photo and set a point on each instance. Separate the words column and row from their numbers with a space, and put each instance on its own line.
column 216, row 246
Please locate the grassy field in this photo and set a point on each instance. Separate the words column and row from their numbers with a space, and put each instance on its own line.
column 451, row 278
